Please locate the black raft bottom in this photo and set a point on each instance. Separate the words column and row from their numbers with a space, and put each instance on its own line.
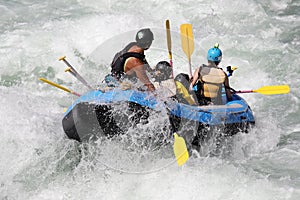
column 89, row 121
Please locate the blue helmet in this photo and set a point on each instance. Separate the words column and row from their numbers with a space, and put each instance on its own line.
column 214, row 54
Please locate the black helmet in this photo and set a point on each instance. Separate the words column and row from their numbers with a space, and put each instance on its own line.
column 183, row 79
column 144, row 38
column 163, row 71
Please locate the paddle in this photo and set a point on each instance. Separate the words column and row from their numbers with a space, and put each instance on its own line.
column 59, row 86
column 179, row 147
column 268, row 90
column 169, row 42
column 187, row 42
column 72, row 70
column 180, row 150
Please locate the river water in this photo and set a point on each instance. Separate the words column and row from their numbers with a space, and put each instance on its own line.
column 37, row 161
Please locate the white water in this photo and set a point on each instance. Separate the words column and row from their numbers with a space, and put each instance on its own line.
column 37, row 161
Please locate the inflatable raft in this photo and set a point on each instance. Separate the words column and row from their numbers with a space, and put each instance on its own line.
column 96, row 114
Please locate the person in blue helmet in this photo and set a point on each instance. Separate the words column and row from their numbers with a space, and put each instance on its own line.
column 209, row 80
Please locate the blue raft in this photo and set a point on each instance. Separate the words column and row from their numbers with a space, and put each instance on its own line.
column 95, row 115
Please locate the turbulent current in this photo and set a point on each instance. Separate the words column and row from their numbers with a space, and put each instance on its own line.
column 37, row 161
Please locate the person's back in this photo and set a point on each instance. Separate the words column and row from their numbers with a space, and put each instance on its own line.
column 131, row 62
column 210, row 79
column 183, row 95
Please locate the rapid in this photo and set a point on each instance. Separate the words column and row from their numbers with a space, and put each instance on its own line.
column 37, row 161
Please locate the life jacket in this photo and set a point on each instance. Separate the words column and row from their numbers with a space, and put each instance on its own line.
column 117, row 65
column 183, row 94
column 211, row 80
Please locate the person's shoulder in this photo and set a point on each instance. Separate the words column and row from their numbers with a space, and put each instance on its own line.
column 201, row 67
column 204, row 66
column 136, row 49
column 134, row 61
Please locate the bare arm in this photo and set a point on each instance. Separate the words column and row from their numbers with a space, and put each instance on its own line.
column 195, row 78
column 134, row 65
column 227, row 88
column 142, row 75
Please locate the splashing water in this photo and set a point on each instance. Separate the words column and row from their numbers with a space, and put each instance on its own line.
column 37, row 161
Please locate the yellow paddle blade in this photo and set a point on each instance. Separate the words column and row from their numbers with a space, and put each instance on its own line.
column 55, row 85
column 185, row 94
column 180, row 150
column 273, row 89
column 187, row 39
column 169, row 39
